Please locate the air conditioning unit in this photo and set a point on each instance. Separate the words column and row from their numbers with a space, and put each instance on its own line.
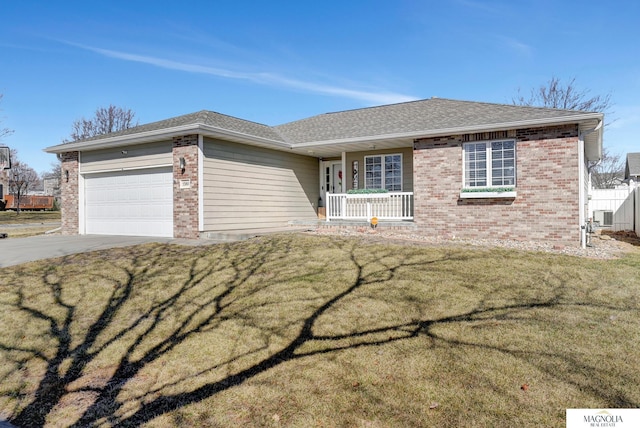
column 603, row 218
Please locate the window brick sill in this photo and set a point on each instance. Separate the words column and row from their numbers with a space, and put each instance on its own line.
column 478, row 195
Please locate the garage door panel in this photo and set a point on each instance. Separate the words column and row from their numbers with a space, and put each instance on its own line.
column 138, row 203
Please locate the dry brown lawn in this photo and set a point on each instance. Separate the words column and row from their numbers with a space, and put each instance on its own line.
column 303, row 331
column 32, row 223
column 24, row 217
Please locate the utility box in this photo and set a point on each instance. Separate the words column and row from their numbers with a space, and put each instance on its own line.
column 603, row 218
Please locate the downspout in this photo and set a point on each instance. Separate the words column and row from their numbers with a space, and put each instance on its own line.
column 200, row 183
column 82, row 227
column 581, row 193
column 582, row 197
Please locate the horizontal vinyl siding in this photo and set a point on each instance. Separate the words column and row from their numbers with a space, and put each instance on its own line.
column 254, row 188
column 407, row 166
column 139, row 156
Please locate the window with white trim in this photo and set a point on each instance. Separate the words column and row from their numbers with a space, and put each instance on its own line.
column 383, row 172
column 490, row 163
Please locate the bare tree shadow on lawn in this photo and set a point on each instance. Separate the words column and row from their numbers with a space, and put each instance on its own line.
column 112, row 335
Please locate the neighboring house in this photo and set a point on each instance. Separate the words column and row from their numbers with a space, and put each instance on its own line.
column 51, row 185
column 452, row 168
column 632, row 169
column 4, row 184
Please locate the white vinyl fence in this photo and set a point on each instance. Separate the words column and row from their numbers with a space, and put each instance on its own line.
column 615, row 208
column 637, row 211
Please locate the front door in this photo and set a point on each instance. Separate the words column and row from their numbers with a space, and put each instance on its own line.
column 336, row 183
column 332, row 178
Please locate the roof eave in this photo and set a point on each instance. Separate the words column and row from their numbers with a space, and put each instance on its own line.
column 592, row 133
column 159, row 134
column 593, row 140
column 458, row 130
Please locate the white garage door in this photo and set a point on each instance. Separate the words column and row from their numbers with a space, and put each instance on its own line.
column 137, row 203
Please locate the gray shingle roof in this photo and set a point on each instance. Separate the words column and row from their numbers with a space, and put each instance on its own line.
column 415, row 116
column 633, row 165
column 204, row 117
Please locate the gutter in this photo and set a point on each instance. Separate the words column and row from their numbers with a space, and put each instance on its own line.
column 199, row 128
column 149, row 136
column 453, row 131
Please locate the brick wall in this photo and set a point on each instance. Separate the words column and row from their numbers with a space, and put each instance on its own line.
column 69, row 194
column 185, row 200
column 547, row 203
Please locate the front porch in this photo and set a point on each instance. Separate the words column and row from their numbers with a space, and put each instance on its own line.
column 392, row 206
column 361, row 185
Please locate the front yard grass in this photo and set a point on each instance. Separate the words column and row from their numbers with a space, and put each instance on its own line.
column 32, row 222
column 28, row 217
column 297, row 330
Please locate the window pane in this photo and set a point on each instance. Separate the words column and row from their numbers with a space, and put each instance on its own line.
column 393, row 173
column 503, row 163
column 475, row 156
column 373, row 172
column 500, row 171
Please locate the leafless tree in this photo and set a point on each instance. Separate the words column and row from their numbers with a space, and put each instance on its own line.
column 106, row 120
column 21, row 178
column 608, row 172
column 555, row 94
column 4, row 131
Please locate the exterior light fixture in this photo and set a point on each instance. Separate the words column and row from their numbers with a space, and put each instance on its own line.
column 183, row 164
column 66, row 174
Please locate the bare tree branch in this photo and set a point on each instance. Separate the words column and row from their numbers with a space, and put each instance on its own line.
column 608, row 172
column 4, row 131
column 106, row 120
column 555, row 94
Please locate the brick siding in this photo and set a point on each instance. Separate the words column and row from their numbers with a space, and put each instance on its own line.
column 69, row 194
column 185, row 201
column 547, row 203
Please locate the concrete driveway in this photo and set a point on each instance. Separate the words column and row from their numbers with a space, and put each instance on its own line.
column 22, row 250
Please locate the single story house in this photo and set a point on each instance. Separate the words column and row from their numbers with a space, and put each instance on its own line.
column 5, row 164
column 4, row 184
column 447, row 167
column 632, row 168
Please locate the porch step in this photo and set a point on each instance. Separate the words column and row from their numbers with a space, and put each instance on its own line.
column 382, row 224
column 226, row 236
column 242, row 235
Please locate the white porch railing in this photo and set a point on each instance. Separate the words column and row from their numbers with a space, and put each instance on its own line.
column 384, row 206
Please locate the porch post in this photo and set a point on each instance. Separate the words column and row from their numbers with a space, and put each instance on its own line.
column 344, row 173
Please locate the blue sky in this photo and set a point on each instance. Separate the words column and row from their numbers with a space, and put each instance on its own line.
column 277, row 61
